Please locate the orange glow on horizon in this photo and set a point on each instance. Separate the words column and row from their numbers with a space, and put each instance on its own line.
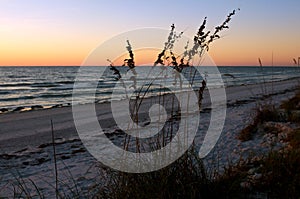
column 223, row 52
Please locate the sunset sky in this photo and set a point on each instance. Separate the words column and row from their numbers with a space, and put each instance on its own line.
column 56, row 32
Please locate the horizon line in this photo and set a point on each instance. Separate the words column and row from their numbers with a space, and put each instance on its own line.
column 142, row 66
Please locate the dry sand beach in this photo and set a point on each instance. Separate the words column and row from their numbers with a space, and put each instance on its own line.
column 26, row 151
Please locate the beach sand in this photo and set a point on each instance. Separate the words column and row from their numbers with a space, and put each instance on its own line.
column 26, row 150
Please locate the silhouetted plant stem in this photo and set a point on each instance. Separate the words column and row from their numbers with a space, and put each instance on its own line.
column 264, row 89
column 200, row 93
column 55, row 162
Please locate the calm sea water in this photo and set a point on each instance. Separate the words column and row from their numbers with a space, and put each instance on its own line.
column 50, row 86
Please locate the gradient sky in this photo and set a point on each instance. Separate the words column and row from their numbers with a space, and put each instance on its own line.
column 56, row 32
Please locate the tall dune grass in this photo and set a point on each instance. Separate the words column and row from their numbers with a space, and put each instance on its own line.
column 187, row 177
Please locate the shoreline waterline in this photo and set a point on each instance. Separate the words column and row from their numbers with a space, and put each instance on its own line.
column 19, row 125
column 45, row 87
column 35, row 107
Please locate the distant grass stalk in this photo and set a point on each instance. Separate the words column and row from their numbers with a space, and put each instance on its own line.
column 55, row 162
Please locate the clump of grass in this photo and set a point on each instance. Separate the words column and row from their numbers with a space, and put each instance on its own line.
column 279, row 170
column 185, row 178
column 292, row 108
column 247, row 133
column 181, row 179
column 228, row 184
column 281, row 173
column 294, row 117
column 26, row 189
column 294, row 139
column 274, row 175
column 264, row 113
column 267, row 113
column 270, row 129
column 292, row 104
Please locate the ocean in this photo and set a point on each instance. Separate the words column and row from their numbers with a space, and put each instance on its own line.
column 45, row 87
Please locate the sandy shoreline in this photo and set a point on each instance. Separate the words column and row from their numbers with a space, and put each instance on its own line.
column 32, row 128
